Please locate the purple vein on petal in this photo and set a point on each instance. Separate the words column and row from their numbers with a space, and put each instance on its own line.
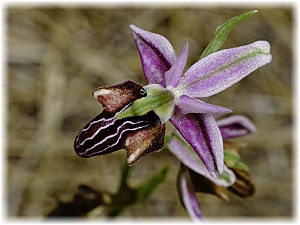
column 203, row 134
column 156, row 52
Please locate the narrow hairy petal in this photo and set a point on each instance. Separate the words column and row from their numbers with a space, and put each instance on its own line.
column 203, row 134
column 156, row 52
column 188, row 195
column 190, row 105
column 235, row 126
column 224, row 68
column 183, row 151
column 174, row 74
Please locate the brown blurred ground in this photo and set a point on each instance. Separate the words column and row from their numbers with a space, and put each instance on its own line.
column 56, row 57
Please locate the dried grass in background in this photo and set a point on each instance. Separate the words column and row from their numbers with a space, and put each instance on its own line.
column 56, row 57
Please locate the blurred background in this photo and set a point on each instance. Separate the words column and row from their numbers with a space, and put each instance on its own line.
column 57, row 56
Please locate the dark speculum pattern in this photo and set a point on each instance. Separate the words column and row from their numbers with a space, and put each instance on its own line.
column 105, row 134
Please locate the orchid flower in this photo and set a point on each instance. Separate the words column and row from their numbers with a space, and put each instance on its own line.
column 174, row 95
column 193, row 175
column 134, row 116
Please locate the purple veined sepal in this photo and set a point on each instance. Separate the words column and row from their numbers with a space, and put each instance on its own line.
column 222, row 69
column 104, row 134
column 156, row 52
column 203, row 134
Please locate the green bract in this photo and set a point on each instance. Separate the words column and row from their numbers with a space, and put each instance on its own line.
column 223, row 31
column 233, row 160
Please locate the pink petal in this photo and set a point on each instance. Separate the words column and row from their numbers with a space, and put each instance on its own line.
column 190, row 105
column 173, row 75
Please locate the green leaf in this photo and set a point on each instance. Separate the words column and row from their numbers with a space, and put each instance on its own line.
column 222, row 33
column 148, row 187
